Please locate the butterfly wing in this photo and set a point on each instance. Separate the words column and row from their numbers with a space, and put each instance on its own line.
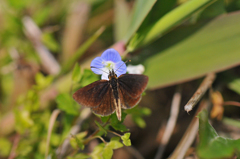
column 128, row 101
column 107, row 106
column 92, row 94
column 131, row 87
column 133, row 84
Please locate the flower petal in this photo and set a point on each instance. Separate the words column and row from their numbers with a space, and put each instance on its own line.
column 97, row 63
column 120, row 68
column 104, row 76
column 111, row 55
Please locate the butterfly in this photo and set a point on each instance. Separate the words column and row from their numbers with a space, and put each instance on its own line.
column 104, row 97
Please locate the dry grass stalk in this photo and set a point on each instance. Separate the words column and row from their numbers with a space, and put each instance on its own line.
column 205, row 85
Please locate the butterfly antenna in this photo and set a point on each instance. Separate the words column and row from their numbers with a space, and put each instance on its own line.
column 122, row 64
column 99, row 69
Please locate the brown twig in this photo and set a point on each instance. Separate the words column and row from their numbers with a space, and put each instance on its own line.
column 190, row 134
column 34, row 34
column 207, row 82
column 50, row 127
column 61, row 150
column 171, row 123
column 14, row 146
column 94, row 137
column 86, row 141
column 232, row 103
column 95, row 133
column 114, row 133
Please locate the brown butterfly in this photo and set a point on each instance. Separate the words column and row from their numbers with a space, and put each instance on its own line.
column 106, row 96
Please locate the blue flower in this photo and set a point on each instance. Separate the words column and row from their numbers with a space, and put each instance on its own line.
column 109, row 60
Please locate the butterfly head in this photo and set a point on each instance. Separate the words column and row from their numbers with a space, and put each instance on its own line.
column 112, row 74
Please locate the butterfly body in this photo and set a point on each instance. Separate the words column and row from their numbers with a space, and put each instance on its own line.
column 104, row 97
column 113, row 82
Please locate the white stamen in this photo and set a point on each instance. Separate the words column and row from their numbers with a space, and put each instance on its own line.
column 109, row 65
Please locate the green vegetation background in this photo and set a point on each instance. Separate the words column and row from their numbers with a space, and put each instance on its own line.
column 46, row 48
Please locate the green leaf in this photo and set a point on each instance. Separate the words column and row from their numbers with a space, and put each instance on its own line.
column 122, row 19
column 81, row 135
column 126, row 136
column 139, row 111
column 139, row 121
column 88, row 77
column 146, row 111
column 126, row 140
column 159, row 9
column 42, row 81
column 234, row 84
column 206, row 131
column 101, row 128
column 215, row 9
column 23, row 120
column 211, row 145
column 97, row 151
column 211, row 47
column 77, row 141
column 114, row 119
column 140, row 11
column 120, row 127
column 108, row 149
column 32, row 101
column 116, row 124
column 76, row 74
column 107, row 152
column 5, row 147
column 79, row 156
column 25, row 147
column 55, row 139
column 231, row 80
column 66, row 103
column 114, row 144
column 166, row 22
column 115, row 138
column 105, row 118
